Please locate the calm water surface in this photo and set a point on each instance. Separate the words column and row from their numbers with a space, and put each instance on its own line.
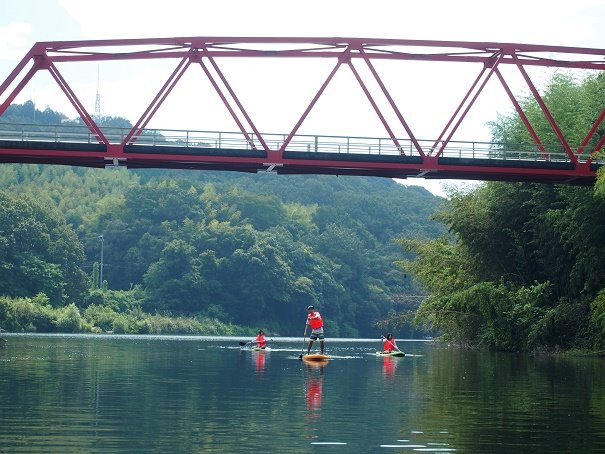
column 118, row 394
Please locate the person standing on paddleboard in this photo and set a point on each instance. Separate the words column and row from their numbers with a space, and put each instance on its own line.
column 260, row 339
column 316, row 323
column 389, row 344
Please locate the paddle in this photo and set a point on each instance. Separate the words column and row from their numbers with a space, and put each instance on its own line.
column 303, row 344
column 243, row 344
column 385, row 339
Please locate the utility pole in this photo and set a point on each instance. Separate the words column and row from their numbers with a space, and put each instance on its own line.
column 101, row 270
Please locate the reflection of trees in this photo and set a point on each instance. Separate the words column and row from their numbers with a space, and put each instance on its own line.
column 524, row 399
column 169, row 395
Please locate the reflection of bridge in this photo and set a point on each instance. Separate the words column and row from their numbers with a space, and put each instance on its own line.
column 249, row 150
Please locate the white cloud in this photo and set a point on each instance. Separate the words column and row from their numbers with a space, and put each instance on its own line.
column 15, row 40
column 536, row 21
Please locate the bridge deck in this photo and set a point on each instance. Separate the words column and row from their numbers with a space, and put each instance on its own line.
column 217, row 150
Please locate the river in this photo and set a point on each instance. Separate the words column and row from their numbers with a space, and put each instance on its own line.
column 187, row 394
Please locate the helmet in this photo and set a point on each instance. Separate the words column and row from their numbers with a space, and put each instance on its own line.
column 310, row 307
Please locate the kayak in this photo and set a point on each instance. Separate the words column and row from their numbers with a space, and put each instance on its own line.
column 257, row 349
column 316, row 357
column 394, row 353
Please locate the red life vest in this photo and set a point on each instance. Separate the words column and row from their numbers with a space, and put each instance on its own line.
column 260, row 340
column 314, row 320
column 389, row 345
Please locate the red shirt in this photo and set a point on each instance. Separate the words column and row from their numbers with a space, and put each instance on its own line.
column 314, row 320
column 260, row 340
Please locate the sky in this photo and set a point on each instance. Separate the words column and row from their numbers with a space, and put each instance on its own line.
column 552, row 22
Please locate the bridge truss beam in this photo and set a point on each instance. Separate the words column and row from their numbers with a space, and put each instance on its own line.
column 430, row 160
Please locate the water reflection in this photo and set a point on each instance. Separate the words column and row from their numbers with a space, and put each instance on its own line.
column 314, row 374
column 259, row 359
column 124, row 395
column 389, row 364
column 313, row 383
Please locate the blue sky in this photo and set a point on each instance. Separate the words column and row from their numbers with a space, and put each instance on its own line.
column 23, row 22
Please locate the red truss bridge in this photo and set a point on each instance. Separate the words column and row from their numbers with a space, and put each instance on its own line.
column 247, row 149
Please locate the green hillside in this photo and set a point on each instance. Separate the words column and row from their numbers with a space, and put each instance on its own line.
column 243, row 250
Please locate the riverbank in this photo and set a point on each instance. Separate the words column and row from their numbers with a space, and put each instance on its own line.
column 36, row 315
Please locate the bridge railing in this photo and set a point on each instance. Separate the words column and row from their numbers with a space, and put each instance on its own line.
column 498, row 151
column 301, row 143
column 39, row 133
column 351, row 145
column 220, row 140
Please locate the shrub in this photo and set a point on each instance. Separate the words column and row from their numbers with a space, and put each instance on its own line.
column 120, row 324
column 27, row 314
column 69, row 319
column 100, row 316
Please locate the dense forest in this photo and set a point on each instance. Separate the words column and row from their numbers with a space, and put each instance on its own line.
column 523, row 266
column 508, row 266
column 159, row 251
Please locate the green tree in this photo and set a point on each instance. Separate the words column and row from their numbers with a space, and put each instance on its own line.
column 235, row 246
column 39, row 253
column 523, row 265
column 172, row 283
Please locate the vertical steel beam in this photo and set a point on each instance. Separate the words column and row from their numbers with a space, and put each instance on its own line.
column 237, row 102
column 375, row 106
column 342, row 58
column 546, row 112
column 11, row 97
column 32, row 54
column 464, row 99
column 157, row 101
column 52, row 69
column 470, row 104
column 594, row 128
column 393, row 104
column 522, row 115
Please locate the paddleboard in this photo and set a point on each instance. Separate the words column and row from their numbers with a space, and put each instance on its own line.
column 398, row 354
column 315, row 357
